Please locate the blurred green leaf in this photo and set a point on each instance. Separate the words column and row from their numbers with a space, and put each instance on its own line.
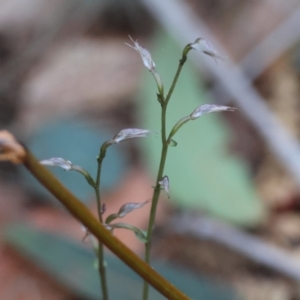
column 202, row 174
column 71, row 264
column 78, row 142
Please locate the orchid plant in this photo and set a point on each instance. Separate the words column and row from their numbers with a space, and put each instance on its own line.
column 11, row 150
column 162, row 181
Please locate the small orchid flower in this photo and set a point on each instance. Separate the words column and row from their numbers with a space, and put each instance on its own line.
column 148, row 63
column 67, row 166
column 124, row 210
column 164, row 183
column 129, row 133
column 144, row 53
column 209, row 108
column 205, row 47
column 58, row 162
column 129, row 207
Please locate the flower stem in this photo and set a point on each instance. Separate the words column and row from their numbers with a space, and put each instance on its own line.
column 155, row 198
column 101, row 262
column 181, row 63
column 165, row 142
column 100, row 158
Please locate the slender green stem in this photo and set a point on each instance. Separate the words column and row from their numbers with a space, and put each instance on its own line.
column 164, row 151
column 181, row 63
column 101, row 262
column 155, row 198
column 100, row 158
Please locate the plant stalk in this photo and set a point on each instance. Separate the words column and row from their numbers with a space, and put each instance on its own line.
column 100, row 252
column 181, row 63
column 155, row 199
column 164, row 152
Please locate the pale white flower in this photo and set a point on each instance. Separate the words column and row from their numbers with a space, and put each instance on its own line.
column 209, row 108
column 57, row 162
column 164, row 183
column 129, row 207
column 144, row 53
column 205, row 47
column 129, row 133
column 67, row 166
column 124, row 210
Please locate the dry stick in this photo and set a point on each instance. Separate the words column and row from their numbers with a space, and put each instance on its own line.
column 282, row 38
column 263, row 55
column 82, row 213
column 254, row 248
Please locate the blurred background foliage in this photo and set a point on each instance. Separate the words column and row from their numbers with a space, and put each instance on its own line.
column 68, row 82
